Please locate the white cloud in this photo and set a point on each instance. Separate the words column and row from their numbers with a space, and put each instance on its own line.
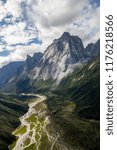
column 19, row 54
column 16, row 33
column 13, row 7
column 54, row 17
column 22, row 51
column 3, row 11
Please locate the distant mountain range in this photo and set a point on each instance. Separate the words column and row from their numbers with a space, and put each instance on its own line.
column 9, row 71
column 59, row 59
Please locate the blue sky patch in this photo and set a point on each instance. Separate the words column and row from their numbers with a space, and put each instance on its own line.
column 4, row 1
column 32, row 41
column 5, row 53
column 97, row 2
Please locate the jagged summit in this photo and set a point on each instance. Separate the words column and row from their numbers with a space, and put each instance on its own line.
column 60, row 57
column 65, row 34
column 33, row 61
column 93, row 50
column 28, row 57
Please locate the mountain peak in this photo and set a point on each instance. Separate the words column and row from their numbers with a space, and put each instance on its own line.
column 65, row 34
column 32, row 61
column 28, row 56
column 66, row 37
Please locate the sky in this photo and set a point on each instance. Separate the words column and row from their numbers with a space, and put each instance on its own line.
column 29, row 26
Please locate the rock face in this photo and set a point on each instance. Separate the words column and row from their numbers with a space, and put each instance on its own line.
column 62, row 55
column 59, row 59
column 93, row 50
column 31, row 62
column 15, row 71
column 24, row 73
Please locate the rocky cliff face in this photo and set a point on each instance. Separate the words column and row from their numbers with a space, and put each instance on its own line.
column 31, row 62
column 62, row 55
column 93, row 50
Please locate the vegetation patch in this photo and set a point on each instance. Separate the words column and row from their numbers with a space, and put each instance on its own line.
column 21, row 131
column 69, row 107
column 31, row 147
column 32, row 118
column 40, row 106
column 37, row 137
column 32, row 126
column 31, row 133
column 27, row 142
column 44, row 143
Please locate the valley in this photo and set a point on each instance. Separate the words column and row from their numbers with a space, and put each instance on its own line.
column 60, row 109
column 63, row 117
column 35, row 131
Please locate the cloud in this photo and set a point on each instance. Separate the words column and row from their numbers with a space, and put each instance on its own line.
column 25, row 23
column 18, row 35
column 55, row 13
column 52, row 18
column 3, row 11
column 19, row 54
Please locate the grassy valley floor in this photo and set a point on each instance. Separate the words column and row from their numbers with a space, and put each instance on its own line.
column 36, row 131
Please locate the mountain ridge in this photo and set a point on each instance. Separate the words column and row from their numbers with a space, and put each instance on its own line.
column 59, row 59
column 8, row 71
